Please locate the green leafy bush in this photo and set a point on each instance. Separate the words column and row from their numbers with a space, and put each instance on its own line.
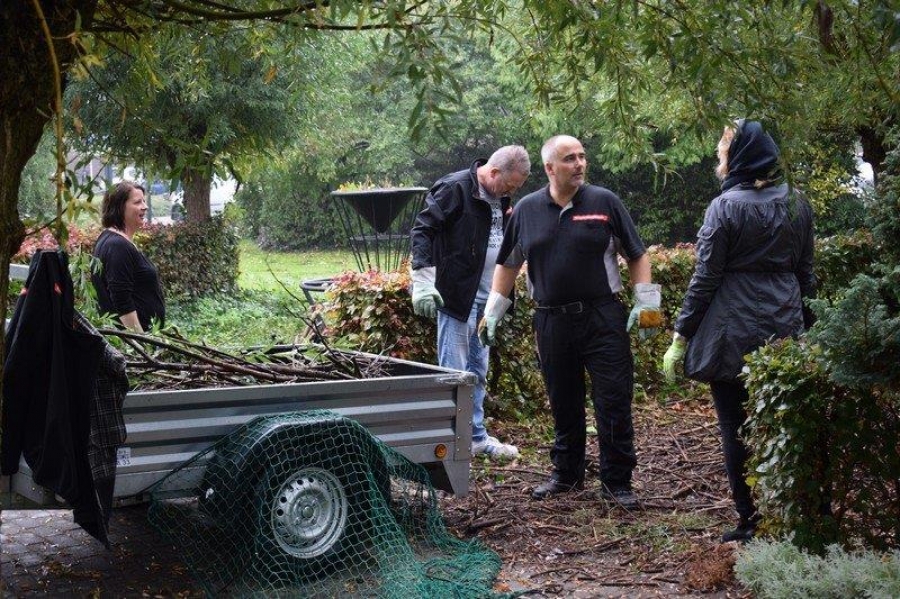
column 372, row 312
column 825, row 459
column 672, row 268
column 860, row 334
column 790, row 432
column 287, row 209
column 840, row 258
column 193, row 259
column 825, row 413
column 781, row 570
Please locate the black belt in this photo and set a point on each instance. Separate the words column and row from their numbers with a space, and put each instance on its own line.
column 579, row 306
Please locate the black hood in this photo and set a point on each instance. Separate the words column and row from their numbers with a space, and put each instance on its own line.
column 752, row 156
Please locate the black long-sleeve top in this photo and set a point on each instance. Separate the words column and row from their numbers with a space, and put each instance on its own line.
column 128, row 281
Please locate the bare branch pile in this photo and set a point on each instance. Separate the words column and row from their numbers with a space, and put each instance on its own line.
column 170, row 361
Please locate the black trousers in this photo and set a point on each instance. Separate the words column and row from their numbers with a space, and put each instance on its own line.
column 729, row 399
column 595, row 341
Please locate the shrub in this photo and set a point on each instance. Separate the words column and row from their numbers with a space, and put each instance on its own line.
column 289, row 210
column 825, row 415
column 372, row 311
column 79, row 239
column 840, row 258
column 825, row 460
column 781, row 570
column 789, row 431
column 672, row 268
column 193, row 259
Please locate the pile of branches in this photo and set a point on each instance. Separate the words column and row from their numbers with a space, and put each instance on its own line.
column 169, row 361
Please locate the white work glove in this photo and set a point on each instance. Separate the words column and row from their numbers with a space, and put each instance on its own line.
column 496, row 307
column 647, row 298
column 425, row 297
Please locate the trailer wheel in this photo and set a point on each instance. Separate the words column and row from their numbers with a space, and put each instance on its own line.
column 308, row 513
column 316, row 518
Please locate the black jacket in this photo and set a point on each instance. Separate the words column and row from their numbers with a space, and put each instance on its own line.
column 452, row 233
column 754, row 266
column 49, row 381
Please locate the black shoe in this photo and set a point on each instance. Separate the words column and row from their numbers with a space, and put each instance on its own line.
column 554, row 486
column 746, row 530
column 620, row 495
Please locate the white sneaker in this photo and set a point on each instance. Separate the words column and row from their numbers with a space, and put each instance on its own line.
column 493, row 448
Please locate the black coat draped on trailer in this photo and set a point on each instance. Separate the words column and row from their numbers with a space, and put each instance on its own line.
column 49, row 384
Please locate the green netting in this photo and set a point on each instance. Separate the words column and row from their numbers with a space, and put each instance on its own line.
column 309, row 504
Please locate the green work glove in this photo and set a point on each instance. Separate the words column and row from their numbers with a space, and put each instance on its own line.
column 646, row 314
column 496, row 307
column 674, row 355
column 425, row 297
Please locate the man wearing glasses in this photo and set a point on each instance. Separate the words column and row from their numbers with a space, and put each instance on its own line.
column 455, row 242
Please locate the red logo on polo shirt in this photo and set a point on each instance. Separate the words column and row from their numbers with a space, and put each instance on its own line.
column 600, row 217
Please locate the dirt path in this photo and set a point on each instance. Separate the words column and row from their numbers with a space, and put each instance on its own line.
column 579, row 546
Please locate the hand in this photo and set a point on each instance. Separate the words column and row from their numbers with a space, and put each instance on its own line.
column 487, row 331
column 674, row 355
column 426, row 300
column 646, row 309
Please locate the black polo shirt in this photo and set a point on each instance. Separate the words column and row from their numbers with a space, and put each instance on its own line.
column 571, row 252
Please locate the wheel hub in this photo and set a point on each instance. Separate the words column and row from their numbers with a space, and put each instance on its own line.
column 309, row 512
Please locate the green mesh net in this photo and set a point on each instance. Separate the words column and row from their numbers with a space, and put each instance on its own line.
column 310, row 504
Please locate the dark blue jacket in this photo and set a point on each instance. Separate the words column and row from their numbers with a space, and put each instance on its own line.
column 451, row 233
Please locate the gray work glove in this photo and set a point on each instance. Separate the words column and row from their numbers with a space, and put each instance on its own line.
column 425, row 297
column 496, row 307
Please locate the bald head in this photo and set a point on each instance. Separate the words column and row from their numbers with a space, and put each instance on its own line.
column 548, row 151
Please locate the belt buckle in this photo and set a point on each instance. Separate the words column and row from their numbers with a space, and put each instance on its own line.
column 576, row 308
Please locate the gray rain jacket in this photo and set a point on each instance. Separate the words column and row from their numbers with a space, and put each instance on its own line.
column 754, row 264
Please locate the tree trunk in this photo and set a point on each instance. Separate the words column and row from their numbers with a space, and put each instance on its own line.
column 27, row 92
column 197, row 184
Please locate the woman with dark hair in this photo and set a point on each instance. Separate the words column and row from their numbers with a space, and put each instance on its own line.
column 754, row 267
column 128, row 283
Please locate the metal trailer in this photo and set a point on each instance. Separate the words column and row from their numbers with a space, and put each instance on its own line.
column 424, row 412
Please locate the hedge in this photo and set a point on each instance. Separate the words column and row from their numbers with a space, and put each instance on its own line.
column 193, row 259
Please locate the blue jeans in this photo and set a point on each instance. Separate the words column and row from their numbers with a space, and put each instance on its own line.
column 458, row 347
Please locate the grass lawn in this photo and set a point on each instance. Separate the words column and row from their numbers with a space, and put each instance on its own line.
column 262, row 312
column 261, row 270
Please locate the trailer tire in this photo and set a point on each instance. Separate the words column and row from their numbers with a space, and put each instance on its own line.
column 316, row 517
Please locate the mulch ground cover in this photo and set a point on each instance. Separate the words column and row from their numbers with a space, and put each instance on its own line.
column 577, row 545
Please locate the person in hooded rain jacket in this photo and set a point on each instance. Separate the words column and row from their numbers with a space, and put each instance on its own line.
column 754, row 268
